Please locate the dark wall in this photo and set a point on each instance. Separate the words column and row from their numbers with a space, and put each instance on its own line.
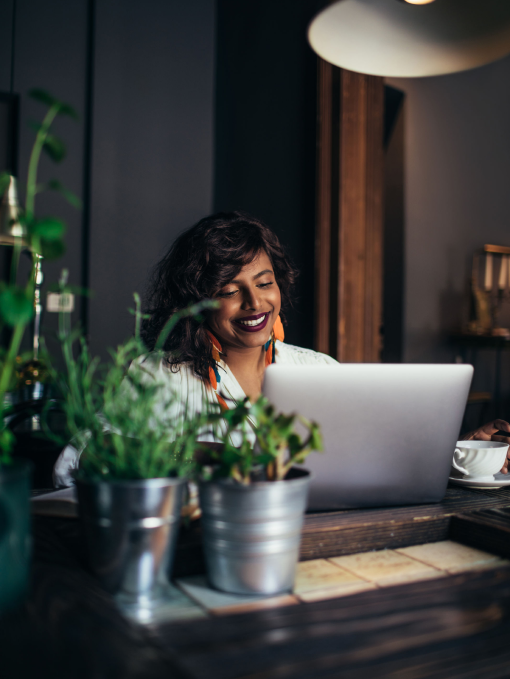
column 142, row 82
column 6, row 26
column 45, row 47
column 152, row 145
column 152, row 113
column 457, row 174
column 394, row 226
column 265, row 130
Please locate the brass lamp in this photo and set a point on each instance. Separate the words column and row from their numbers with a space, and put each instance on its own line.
column 12, row 231
column 404, row 39
column 10, row 226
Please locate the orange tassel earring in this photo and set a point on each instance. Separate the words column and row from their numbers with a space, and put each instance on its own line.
column 277, row 333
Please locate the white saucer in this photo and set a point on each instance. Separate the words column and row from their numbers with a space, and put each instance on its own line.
column 500, row 480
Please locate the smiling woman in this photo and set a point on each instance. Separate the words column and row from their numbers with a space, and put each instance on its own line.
column 238, row 261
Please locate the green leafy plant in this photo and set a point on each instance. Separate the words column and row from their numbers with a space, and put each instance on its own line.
column 277, row 444
column 43, row 238
column 120, row 414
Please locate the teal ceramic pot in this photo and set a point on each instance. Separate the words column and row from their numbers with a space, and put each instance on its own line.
column 14, row 533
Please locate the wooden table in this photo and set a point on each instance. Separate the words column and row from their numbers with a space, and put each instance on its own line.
column 458, row 626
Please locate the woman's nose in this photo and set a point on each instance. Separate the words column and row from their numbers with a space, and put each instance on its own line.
column 251, row 299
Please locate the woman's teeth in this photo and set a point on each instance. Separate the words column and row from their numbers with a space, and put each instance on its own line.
column 252, row 323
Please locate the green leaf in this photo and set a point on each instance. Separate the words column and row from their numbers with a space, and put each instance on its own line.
column 42, row 96
column 5, row 178
column 294, row 442
column 52, row 249
column 67, row 110
column 46, row 98
column 316, row 442
column 15, row 307
column 55, row 148
column 264, row 459
column 71, row 197
column 49, row 229
column 7, row 441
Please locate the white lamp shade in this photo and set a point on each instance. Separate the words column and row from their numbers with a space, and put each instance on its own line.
column 398, row 39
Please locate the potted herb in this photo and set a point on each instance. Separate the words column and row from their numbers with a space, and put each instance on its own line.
column 253, row 499
column 138, row 454
column 42, row 237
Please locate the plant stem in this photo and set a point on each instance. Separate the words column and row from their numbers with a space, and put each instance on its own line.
column 280, row 464
column 138, row 315
column 34, row 160
column 6, row 373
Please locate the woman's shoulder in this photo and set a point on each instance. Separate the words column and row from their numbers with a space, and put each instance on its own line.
column 288, row 353
column 179, row 381
column 158, row 367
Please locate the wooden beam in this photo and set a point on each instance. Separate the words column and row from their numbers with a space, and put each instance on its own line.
column 349, row 214
column 323, row 218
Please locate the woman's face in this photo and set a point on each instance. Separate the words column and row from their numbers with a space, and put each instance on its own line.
column 249, row 306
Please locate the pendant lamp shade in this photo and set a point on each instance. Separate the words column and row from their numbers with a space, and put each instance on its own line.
column 10, row 226
column 398, row 39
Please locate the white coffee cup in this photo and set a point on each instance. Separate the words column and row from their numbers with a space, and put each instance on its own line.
column 480, row 459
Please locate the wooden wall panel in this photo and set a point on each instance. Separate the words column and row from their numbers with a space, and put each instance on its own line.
column 349, row 214
column 374, row 218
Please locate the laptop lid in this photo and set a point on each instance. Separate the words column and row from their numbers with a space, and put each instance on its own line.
column 389, row 430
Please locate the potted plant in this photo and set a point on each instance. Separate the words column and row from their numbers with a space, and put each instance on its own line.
column 21, row 230
column 253, row 499
column 138, row 452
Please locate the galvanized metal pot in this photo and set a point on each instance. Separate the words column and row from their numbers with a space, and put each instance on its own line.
column 252, row 533
column 131, row 529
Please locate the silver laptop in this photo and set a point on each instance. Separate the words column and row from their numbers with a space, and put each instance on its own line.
column 389, row 430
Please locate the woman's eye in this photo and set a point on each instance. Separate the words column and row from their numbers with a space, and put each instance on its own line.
column 265, row 285
column 227, row 294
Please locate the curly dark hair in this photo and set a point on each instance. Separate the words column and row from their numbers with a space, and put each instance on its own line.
column 199, row 263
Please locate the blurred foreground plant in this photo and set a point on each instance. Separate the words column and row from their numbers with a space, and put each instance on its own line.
column 127, row 423
column 277, row 448
column 43, row 238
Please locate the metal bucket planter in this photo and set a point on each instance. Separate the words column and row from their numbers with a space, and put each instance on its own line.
column 252, row 533
column 14, row 533
column 131, row 528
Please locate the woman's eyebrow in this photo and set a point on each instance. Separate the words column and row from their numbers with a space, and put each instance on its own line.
column 262, row 273
column 258, row 275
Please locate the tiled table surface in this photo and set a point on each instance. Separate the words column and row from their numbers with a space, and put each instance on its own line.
column 321, row 579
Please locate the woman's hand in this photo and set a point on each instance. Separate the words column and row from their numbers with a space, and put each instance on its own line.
column 487, row 433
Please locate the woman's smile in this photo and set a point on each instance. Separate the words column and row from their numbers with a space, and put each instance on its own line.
column 253, row 323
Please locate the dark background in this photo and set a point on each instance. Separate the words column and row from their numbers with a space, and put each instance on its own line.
column 266, row 79
column 186, row 108
column 190, row 107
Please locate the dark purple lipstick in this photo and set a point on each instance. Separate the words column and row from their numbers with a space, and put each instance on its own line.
column 253, row 328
